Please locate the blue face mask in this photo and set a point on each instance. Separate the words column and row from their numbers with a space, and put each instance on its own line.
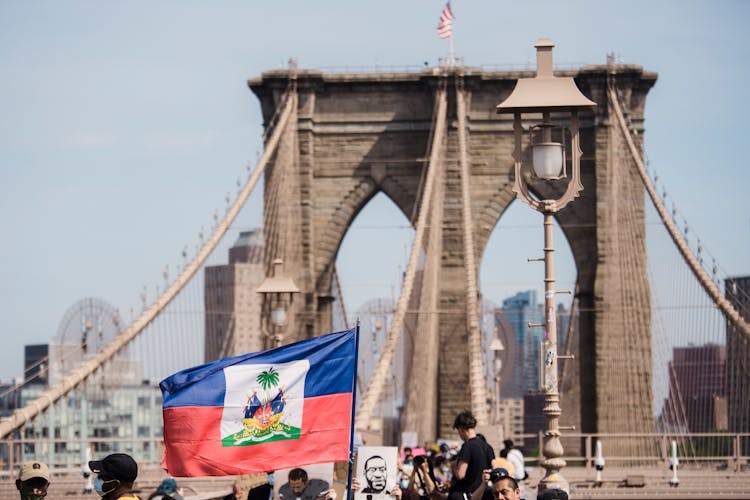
column 99, row 486
column 404, row 484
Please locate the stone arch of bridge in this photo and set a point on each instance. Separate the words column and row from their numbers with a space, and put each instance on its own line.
column 359, row 134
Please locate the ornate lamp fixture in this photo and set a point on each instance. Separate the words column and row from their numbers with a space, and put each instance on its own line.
column 278, row 291
column 546, row 94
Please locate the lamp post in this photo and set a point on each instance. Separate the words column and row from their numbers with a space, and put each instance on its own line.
column 278, row 292
column 552, row 148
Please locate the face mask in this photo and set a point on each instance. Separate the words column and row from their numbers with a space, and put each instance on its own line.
column 33, row 494
column 445, row 470
column 99, row 486
column 404, row 483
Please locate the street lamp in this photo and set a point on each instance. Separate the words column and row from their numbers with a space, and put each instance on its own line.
column 278, row 292
column 546, row 94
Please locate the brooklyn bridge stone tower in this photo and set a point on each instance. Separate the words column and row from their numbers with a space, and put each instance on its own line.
column 356, row 135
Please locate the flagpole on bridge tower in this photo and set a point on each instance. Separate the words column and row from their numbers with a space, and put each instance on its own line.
column 445, row 30
column 451, row 56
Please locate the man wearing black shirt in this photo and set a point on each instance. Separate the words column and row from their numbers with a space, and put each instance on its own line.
column 474, row 457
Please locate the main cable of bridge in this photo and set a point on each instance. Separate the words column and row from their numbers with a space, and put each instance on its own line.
column 727, row 308
column 124, row 338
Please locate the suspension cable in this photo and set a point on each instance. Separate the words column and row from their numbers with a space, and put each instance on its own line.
column 726, row 307
column 377, row 380
column 70, row 382
column 476, row 360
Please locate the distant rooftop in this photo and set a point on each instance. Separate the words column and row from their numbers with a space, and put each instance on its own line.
column 254, row 237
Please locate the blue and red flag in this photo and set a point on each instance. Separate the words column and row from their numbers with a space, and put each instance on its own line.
column 263, row 411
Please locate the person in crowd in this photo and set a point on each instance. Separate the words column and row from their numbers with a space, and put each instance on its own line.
column 421, row 483
column 441, row 473
column 33, row 480
column 502, row 462
column 474, row 456
column 515, row 457
column 115, row 475
column 299, row 487
column 407, row 466
column 552, row 494
column 167, row 490
column 497, row 484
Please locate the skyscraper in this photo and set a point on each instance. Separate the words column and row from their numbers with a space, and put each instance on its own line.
column 34, row 361
column 738, row 360
column 233, row 308
column 520, row 310
column 697, row 389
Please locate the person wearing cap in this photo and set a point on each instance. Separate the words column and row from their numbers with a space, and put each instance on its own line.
column 167, row 490
column 115, row 475
column 497, row 484
column 33, row 480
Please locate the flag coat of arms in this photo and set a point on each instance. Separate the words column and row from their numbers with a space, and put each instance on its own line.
column 263, row 411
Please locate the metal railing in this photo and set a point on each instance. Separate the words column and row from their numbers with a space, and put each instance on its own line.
column 66, row 455
column 716, row 450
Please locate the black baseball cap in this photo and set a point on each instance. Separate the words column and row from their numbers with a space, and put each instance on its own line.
column 499, row 474
column 117, row 466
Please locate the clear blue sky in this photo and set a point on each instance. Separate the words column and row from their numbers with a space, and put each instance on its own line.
column 124, row 124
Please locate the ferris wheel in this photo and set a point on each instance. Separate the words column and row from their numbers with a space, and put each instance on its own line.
column 88, row 325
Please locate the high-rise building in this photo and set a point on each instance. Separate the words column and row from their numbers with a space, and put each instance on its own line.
column 233, row 307
column 520, row 310
column 697, row 389
column 738, row 360
column 35, row 363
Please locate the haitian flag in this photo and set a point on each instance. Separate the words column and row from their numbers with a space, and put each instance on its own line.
column 259, row 412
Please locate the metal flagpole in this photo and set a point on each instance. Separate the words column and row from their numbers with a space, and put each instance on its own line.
column 354, row 407
column 451, row 58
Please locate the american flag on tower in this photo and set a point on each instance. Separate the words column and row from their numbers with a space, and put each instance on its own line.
column 445, row 24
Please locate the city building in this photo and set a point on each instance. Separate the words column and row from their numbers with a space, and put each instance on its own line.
column 115, row 411
column 35, row 363
column 511, row 419
column 738, row 360
column 533, row 416
column 520, row 310
column 233, row 308
column 516, row 313
column 697, row 389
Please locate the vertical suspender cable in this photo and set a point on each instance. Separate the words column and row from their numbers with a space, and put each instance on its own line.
column 729, row 311
column 31, row 410
column 476, row 368
column 377, row 380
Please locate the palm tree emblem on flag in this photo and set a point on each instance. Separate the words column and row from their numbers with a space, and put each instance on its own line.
column 262, row 414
